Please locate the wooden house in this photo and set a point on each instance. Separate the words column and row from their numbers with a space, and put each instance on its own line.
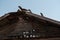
column 25, row 25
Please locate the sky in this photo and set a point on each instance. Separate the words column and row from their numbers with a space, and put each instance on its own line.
column 49, row 8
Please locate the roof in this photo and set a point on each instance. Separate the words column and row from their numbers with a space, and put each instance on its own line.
column 36, row 16
column 28, row 12
column 44, row 18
